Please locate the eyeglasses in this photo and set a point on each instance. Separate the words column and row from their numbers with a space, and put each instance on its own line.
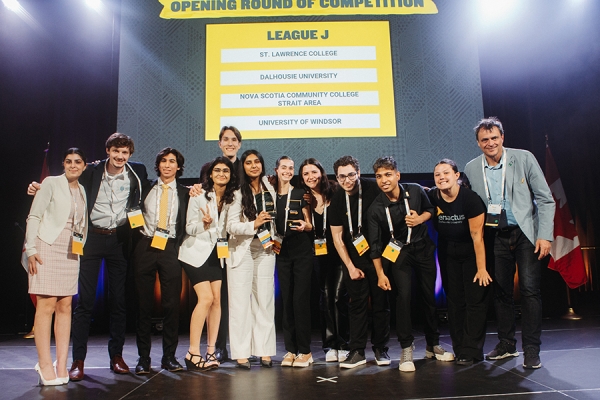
column 218, row 171
column 352, row 176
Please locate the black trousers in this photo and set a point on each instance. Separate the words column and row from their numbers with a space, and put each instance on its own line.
column 360, row 291
column 333, row 304
column 467, row 300
column 112, row 249
column 419, row 257
column 147, row 261
column 294, row 270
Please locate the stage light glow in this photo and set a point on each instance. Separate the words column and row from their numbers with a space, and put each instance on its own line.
column 12, row 5
column 496, row 9
column 95, row 4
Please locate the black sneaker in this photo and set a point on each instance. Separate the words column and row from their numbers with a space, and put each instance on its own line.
column 381, row 355
column 353, row 360
column 503, row 350
column 531, row 359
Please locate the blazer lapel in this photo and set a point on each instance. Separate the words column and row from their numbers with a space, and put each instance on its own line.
column 510, row 174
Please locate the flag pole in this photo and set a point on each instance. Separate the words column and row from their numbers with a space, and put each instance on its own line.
column 570, row 314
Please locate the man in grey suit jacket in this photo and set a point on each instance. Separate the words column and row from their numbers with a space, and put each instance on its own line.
column 519, row 223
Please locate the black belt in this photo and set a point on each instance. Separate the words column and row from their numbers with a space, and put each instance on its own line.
column 103, row 231
column 508, row 228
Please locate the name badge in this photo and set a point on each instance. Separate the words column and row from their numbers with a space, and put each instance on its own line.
column 136, row 218
column 492, row 217
column 160, row 238
column 222, row 248
column 265, row 238
column 361, row 244
column 277, row 242
column 392, row 250
column 320, row 247
column 77, row 244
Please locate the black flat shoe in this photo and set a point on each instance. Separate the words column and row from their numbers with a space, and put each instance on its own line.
column 143, row 366
column 265, row 363
column 171, row 364
column 464, row 361
column 245, row 365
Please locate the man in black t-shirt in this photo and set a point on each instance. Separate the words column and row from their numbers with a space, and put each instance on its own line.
column 397, row 229
column 348, row 228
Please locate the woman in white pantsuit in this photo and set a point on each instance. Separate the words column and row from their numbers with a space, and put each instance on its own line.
column 251, row 268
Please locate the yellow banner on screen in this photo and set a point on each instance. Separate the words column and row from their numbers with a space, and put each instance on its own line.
column 300, row 80
column 272, row 8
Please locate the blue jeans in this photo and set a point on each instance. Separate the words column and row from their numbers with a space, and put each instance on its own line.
column 512, row 248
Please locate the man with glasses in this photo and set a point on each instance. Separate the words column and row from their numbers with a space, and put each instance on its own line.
column 349, row 229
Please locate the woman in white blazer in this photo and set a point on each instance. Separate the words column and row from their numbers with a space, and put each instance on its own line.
column 56, row 233
column 251, row 268
column 203, row 254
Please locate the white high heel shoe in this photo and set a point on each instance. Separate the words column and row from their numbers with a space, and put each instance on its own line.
column 64, row 380
column 50, row 382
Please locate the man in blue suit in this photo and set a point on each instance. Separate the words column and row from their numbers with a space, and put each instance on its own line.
column 519, row 229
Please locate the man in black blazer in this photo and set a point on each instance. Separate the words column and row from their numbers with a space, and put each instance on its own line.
column 164, row 206
column 113, row 187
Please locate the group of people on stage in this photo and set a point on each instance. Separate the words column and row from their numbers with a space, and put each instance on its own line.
column 233, row 230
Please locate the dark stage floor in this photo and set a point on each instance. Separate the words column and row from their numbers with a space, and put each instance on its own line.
column 570, row 357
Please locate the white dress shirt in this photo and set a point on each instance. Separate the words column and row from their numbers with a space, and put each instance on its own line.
column 151, row 207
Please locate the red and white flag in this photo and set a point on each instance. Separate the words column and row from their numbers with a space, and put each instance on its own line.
column 566, row 256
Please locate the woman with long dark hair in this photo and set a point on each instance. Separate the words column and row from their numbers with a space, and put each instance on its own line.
column 294, row 264
column 56, row 233
column 334, row 298
column 459, row 221
column 250, row 274
column 202, row 259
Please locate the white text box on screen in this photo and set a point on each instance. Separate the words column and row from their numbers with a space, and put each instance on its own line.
column 298, row 76
column 300, row 99
column 291, row 54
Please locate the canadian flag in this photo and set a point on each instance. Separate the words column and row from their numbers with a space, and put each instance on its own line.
column 566, row 257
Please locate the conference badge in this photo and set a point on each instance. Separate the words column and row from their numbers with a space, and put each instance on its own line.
column 77, row 244
column 392, row 250
column 361, row 244
column 160, row 238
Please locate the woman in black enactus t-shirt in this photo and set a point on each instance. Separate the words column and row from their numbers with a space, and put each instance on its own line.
column 459, row 219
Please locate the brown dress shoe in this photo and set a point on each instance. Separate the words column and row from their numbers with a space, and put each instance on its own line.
column 76, row 371
column 118, row 366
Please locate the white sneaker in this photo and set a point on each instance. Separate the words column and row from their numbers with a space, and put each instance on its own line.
column 288, row 360
column 438, row 353
column 406, row 359
column 331, row 355
column 342, row 355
